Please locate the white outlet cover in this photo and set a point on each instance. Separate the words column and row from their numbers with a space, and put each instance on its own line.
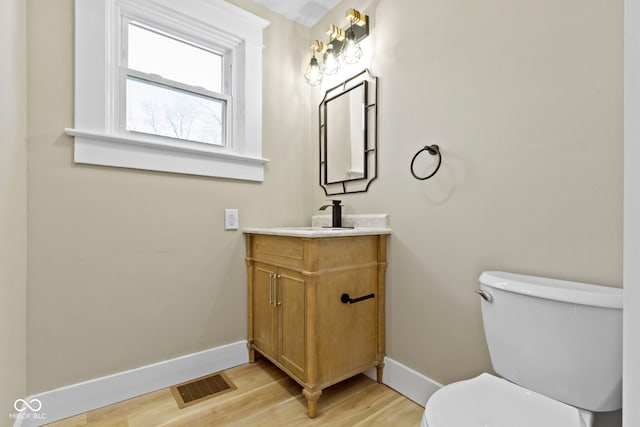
column 231, row 221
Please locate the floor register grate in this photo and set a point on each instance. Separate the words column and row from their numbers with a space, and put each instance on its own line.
column 195, row 391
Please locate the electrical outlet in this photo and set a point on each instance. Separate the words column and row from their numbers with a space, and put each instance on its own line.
column 231, row 221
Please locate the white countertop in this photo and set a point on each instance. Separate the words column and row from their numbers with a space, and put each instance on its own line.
column 317, row 232
column 362, row 225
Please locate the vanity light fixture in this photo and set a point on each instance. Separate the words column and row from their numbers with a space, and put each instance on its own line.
column 314, row 72
column 343, row 47
column 331, row 62
column 351, row 51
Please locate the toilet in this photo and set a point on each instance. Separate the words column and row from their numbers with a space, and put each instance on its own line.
column 557, row 346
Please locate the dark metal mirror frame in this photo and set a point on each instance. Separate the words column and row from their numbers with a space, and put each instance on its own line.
column 355, row 185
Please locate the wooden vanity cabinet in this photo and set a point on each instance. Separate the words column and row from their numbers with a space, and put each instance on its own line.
column 297, row 317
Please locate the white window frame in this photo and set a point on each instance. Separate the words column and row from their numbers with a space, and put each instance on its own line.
column 99, row 130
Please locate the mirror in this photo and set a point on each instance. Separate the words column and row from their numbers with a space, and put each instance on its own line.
column 345, row 136
column 348, row 116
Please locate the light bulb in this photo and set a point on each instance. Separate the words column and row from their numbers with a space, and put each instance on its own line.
column 331, row 63
column 351, row 51
column 313, row 73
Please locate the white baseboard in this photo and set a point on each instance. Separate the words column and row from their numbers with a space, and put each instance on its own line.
column 89, row 395
column 406, row 381
column 86, row 396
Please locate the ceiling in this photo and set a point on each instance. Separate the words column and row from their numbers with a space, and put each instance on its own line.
column 305, row 12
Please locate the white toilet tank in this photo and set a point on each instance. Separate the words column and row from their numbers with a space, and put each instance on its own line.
column 562, row 339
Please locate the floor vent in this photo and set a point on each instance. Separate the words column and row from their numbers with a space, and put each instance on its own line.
column 195, row 391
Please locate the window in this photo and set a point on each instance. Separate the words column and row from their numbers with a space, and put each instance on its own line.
column 182, row 88
column 173, row 88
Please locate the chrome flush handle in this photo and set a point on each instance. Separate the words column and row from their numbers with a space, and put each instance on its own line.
column 484, row 294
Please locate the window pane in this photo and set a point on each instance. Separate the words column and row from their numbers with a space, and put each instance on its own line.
column 155, row 53
column 166, row 111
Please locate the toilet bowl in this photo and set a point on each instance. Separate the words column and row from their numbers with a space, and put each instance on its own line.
column 557, row 346
column 489, row 401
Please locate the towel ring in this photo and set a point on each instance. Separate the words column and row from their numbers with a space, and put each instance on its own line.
column 433, row 150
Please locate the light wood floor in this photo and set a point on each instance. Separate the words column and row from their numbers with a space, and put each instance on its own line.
column 265, row 397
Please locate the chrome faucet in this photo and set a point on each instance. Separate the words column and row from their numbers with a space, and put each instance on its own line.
column 336, row 213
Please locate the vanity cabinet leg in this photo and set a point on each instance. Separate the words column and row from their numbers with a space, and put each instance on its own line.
column 312, row 401
column 251, row 350
column 379, row 370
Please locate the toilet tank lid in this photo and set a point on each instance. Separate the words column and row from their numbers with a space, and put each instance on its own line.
column 554, row 289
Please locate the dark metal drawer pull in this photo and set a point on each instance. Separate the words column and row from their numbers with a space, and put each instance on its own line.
column 345, row 298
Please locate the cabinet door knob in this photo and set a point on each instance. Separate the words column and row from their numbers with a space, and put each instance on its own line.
column 346, row 299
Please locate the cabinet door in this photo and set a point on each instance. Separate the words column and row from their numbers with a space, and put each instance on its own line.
column 347, row 333
column 264, row 310
column 292, row 321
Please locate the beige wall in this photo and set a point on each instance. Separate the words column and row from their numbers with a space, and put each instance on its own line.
column 525, row 99
column 128, row 267
column 13, row 206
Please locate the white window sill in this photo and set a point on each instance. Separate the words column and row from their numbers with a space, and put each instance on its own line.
column 167, row 156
